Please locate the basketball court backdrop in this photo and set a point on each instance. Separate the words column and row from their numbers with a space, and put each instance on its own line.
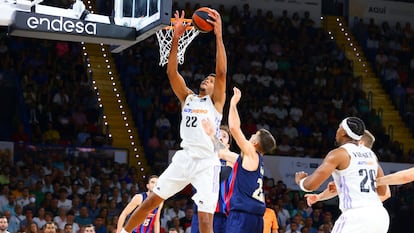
column 131, row 22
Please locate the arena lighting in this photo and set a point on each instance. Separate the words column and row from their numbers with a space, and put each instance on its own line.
column 115, row 90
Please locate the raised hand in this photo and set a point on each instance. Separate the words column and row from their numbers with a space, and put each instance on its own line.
column 179, row 24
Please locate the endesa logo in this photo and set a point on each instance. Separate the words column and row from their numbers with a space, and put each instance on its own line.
column 61, row 24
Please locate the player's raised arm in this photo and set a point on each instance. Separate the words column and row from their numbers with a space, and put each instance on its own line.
column 246, row 148
column 219, row 95
column 177, row 81
column 135, row 201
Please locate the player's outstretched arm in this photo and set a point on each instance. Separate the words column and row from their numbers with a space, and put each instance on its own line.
column 328, row 193
column 400, row 177
column 323, row 172
column 135, row 201
column 157, row 224
column 234, row 125
column 383, row 191
column 247, row 148
column 223, row 151
column 219, row 95
column 177, row 81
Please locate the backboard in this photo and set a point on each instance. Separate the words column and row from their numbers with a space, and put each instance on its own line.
column 131, row 22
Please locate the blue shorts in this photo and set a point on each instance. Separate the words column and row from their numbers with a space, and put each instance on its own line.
column 243, row 222
column 219, row 223
column 194, row 221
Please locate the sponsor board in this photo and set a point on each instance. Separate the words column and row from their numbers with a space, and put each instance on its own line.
column 43, row 26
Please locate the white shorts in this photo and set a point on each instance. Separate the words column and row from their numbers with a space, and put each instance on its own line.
column 373, row 219
column 203, row 174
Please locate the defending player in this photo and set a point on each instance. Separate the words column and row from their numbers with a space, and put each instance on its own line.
column 222, row 210
column 247, row 204
column 152, row 222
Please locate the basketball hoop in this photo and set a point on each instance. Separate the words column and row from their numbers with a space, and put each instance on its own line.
column 165, row 36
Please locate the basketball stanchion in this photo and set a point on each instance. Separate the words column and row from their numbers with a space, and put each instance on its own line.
column 165, row 36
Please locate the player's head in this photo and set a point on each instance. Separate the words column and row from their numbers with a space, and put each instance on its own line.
column 350, row 128
column 263, row 141
column 367, row 139
column 207, row 85
column 225, row 135
column 152, row 181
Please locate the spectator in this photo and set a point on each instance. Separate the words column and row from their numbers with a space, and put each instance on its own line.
column 63, row 201
column 33, row 228
column 40, row 218
column 61, row 218
column 70, row 222
column 26, row 223
column 83, row 218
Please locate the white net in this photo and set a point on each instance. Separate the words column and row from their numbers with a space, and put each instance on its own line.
column 164, row 37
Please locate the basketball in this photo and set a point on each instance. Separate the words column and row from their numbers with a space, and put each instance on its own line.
column 199, row 19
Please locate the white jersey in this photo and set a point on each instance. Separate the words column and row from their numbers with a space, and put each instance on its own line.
column 356, row 184
column 192, row 133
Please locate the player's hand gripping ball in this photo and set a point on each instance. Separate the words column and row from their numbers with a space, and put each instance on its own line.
column 199, row 20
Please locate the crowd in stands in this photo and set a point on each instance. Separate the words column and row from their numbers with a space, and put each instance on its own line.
column 296, row 82
column 390, row 49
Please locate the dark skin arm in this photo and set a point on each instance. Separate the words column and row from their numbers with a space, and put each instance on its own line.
column 177, row 81
column 336, row 159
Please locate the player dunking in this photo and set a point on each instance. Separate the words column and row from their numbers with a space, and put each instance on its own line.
column 152, row 222
column 197, row 163
column 247, row 204
column 354, row 168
